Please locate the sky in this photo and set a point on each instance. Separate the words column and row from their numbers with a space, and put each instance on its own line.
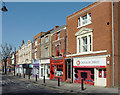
column 26, row 19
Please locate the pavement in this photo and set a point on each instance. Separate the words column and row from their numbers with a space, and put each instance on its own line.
column 71, row 87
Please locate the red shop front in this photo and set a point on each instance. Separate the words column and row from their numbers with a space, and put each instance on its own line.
column 57, row 68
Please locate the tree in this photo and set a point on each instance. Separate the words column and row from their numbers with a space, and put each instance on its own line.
column 5, row 51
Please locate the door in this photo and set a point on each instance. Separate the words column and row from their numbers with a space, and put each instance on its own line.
column 41, row 71
column 52, row 72
column 100, row 77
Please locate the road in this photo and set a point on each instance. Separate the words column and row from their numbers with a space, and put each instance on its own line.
column 15, row 85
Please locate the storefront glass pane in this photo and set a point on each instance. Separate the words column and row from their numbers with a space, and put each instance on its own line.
column 59, row 70
column 41, row 72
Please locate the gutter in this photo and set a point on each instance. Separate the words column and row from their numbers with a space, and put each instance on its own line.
column 113, row 41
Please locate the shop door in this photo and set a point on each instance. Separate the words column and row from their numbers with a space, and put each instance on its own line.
column 47, row 71
column 52, row 72
column 100, row 77
column 41, row 71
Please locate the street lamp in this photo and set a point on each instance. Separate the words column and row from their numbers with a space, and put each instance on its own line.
column 4, row 9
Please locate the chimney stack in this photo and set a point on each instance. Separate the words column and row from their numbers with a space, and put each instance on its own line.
column 56, row 27
column 22, row 42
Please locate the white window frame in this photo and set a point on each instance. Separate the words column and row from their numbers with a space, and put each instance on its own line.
column 46, row 39
column 88, row 20
column 36, row 53
column 80, row 48
column 36, row 43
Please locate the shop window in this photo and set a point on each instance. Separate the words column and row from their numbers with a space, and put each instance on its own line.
column 76, row 76
column 84, row 75
column 58, row 70
column 100, row 73
column 92, row 76
column 104, row 73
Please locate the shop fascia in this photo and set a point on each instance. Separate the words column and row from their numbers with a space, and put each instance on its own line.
column 89, row 62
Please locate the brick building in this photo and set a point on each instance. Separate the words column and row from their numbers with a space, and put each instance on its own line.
column 90, row 44
column 58, row 52
column 36, row 53
column 45, row 50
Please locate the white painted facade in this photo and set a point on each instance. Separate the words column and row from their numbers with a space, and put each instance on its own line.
column 44, row 68
column 25, row 53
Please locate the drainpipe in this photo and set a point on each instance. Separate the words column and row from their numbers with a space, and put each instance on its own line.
column 113, row 41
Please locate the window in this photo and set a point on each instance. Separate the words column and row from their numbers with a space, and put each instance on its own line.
column 100, row 73
column 46, row 52
column 57, row 50
column 90, row 43
column 46, row 39
column 58, row 36
column 35, row 42
column 104, row 73
column 84, row 20
column 79, row 43
column 36, row 53
column 84, row 44
column 79, row 22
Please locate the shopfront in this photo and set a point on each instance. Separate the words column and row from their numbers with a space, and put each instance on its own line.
column 92, row 70
column 45, row 68
column 36, row 66
column 57, row 68
column 17, row 69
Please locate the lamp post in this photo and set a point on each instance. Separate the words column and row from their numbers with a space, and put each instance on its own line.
column 14, row 60
column 4, row 9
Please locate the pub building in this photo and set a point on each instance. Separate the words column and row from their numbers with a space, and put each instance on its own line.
column 90, row 41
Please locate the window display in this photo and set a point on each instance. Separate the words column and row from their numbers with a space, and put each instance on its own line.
column 59, row 70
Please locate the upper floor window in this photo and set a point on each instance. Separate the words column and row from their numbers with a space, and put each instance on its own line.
column 58, row 36
column 36, row 53
column 84, row 20
column 57, row 50
column 35, row 42
column 46, row 52
column 46, row 39
column 84, row 40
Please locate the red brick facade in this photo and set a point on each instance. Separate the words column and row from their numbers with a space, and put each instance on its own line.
column 58, row 42
column 101, row 23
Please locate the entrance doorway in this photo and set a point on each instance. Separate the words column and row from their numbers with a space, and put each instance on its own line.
column 100, row 77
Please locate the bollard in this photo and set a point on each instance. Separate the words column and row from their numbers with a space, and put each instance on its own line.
column 58, row 81
column 17, row 74
column 24, row 75
column 29, row 75
column 20, row 75
column 36, row 77
column 43, row 79
column 82, row 86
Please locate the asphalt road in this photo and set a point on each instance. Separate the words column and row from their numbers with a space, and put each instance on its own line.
column 15, row 85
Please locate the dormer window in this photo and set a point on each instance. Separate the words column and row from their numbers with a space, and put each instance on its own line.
column 84, row 20
column 84, row 40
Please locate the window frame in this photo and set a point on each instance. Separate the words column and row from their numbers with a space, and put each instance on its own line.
column 86, row 18
column 80, row 48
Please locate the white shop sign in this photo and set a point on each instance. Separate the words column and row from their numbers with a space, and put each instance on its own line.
column 36, row 61
column 45, row 61
column 20, row 66
column 89, row 62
